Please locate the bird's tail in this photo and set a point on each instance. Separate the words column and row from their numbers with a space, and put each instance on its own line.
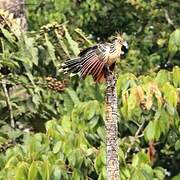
column 72, row 65
column 85, row 66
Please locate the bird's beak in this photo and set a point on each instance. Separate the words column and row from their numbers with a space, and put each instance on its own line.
column 125, row 44
column 124, row 49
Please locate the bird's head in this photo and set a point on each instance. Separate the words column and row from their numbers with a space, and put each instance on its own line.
column 124, row 45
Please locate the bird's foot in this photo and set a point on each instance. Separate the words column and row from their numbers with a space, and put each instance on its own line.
column 110, row 78
column 112, row 81
column 108, row 72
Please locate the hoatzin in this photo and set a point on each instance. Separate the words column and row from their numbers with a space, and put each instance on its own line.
column 97, row 60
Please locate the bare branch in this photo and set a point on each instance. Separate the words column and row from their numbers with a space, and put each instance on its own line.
column 135, row 138
column 112, row 162
column 169, row 20
column 13, row 125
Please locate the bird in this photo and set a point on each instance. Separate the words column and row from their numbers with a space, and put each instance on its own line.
column 97, row 60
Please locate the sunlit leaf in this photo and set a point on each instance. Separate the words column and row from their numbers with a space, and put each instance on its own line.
column 32, row 171
column 51, row 49
column 21, row 172
column 174, row 41
column 57, row 147
column 170, row 94
column 176, row 76
column 177, row 145
column 150, row 131
column 73, row 45
column 8, row 35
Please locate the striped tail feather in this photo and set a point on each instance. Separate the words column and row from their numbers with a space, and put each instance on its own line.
column 87, row 65
column 72, row 65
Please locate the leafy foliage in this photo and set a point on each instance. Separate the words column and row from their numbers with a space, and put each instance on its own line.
column 60, row 134
column 151, row 27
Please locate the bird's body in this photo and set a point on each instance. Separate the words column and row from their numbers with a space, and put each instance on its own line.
column 93, row 60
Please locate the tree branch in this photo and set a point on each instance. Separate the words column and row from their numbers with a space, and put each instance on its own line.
column 135, row 138
column 13, row 125
column 169, row 20
column 112, row 162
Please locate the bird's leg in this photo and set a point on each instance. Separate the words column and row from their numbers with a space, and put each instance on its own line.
column 110, row 78
column 107, row 70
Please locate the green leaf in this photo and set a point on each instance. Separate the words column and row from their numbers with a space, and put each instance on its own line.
column 31, row 78
column 159, row 172
column 76, row 175
column 174, row 41
column 139, row 159
column 161, row 123
column 72, row 158
column 75, row 157
column 73, row 45
column 138, row 175
column 47, row 169
column 125, row 171
column 57, row 147
column 68, row 102
column 57, row 173
column 51, row 50
column 102, row 134
column 34, row 55
column 170, row 94
column 150, row 131
column 93, row 122
column 66, row 123
column 31, row 49
column 73, row 95
column 177, row 177
column 131, row 104
column 122, row 155
column 64, row 47
column 147, row 171
column 104, row 173
column 32, row 171
column 100, row 160
column 90, row 109
column 162, row 77
column 176, row 76
column 8, row 35
column 177, row 145
column 158, row 130
column 21, row 171
column 11, row 162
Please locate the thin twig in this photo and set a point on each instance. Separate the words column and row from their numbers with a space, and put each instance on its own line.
column 169, row 20
column 13, row 125
column 135, row 138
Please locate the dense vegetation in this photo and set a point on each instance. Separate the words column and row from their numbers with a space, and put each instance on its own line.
column 59, row 131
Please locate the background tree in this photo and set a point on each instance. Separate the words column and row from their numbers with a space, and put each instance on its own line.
column 16, row 7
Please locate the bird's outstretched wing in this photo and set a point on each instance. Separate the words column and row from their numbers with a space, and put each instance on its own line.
column 90, row 61
column 85, row 51
column 93, row 60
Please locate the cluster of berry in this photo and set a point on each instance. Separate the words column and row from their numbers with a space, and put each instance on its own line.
column 55, row 84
